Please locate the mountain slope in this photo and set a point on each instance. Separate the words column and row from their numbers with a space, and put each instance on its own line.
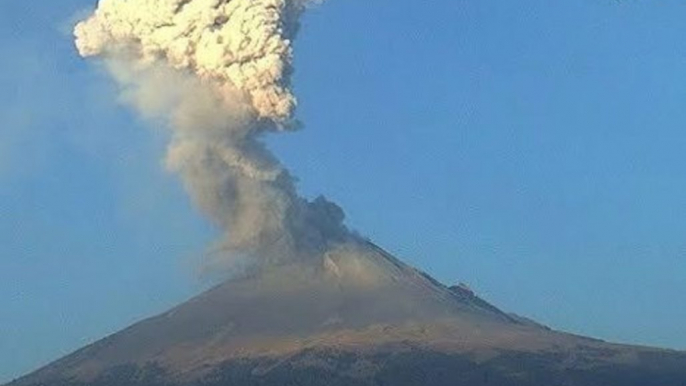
column 360, row 318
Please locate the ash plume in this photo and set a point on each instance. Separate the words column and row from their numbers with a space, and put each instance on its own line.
column 217, row 73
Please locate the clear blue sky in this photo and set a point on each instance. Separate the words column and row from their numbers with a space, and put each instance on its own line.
column 534, row 149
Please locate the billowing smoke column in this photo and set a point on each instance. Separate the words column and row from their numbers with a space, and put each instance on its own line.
column 217, row 73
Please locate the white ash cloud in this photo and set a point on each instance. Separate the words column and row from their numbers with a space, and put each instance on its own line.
column 217, row 72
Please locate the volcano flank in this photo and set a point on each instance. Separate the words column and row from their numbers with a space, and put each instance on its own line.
column 361, row 318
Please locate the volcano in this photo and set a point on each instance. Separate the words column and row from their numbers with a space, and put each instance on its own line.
column 360, row 317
